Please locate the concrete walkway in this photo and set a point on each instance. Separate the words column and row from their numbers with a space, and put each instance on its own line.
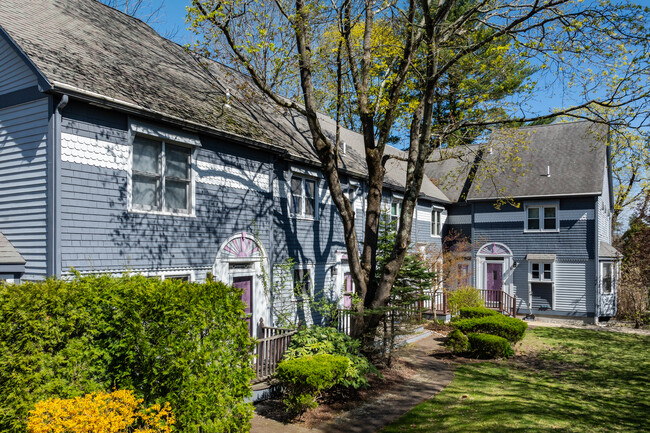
column 432, row 375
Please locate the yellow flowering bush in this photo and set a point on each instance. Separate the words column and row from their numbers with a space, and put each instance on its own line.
column 100, row 412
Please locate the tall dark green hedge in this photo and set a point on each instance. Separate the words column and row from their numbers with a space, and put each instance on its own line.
column 184, row 343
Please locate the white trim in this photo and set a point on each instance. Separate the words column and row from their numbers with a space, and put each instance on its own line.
column 91, row 151
column 541, row 218
column 508, row 268
column 163, row 133
column 221, row 270
column 309, row 267
column 435, row 222
column 231, row 176
column 191, row 195
column 540, row 197
column 317, row 196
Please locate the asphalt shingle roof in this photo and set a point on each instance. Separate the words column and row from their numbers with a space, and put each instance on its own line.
column 573, row 153
column 86, row 45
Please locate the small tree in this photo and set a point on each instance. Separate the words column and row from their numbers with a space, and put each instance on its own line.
column 634, row 290
column 412, row 285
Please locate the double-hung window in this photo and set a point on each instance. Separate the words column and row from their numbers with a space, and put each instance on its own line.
column 542, row 287
column 303, row 197
column 607, row 277
column 301, row 282
column 541, row 218
column 541, row 272
column 395, row 210
column 161, row 178
column 436, row 222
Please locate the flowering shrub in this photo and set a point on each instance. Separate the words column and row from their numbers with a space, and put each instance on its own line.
column 100, row 412
column 169, row 341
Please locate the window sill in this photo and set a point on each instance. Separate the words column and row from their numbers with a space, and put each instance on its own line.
column 542, row 231
column 303, row 218
column 162, row 213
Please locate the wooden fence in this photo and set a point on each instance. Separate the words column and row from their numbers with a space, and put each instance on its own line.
column 270, row 349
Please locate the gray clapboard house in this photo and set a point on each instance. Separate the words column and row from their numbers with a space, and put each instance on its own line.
column 550, row 243
column 120, row 151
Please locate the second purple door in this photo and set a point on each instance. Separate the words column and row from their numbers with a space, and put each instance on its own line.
column 494, row 281
column 246, row 284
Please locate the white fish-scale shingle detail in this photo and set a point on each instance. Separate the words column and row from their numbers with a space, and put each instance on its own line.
column 231, row 177
column 90, row 151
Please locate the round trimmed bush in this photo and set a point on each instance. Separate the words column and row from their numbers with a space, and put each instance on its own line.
column 316, row 340
column 507, row 327
column 457, row 342
column 302, row 379
column 488, row 346
column 475, row 312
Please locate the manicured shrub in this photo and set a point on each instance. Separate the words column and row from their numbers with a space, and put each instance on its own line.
column 303, row 379
column 473, row 312
column 489, row 346
column 457, row 342
column 100, row 412
column 316, row 340
column 507, row 327
column 464, row 297
column 169, row 341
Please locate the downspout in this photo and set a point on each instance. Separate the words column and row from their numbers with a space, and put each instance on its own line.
column 54, row 202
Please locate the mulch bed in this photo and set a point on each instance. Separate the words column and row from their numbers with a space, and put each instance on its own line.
column 335, row 403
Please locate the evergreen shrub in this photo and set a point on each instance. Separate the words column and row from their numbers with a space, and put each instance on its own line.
column 457, row 342
column 489, row 346
column 473, row 312
column 169, row 341
column 316, row 340
column 302, row 379
column 507, row 327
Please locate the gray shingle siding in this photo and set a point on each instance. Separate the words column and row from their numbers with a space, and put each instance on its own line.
column 574, row 240
column 14, row 72
column 23, row 182
column 98, row 233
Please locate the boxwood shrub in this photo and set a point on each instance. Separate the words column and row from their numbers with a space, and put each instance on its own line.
column 302, row 379
column 315, row 340
column 169, row 341
column 489, row 346
column 507, row 327
column 457, row 342
column 472, row 312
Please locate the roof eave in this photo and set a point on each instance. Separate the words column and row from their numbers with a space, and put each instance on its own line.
column 543, row 196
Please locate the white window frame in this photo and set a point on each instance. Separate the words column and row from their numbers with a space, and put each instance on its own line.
column 303, row 267
column 303, row 196
column 436, row 222
column 613, row 275
column 191, row 199
column 541, row 279
column 398, row 208
column 540, row 218
column 541, row 264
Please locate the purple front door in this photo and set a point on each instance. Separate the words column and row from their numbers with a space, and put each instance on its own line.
column 245, row 284
column 348, row 289
column 494, row 279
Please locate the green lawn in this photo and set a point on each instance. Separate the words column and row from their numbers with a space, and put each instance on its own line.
column 571, row 380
